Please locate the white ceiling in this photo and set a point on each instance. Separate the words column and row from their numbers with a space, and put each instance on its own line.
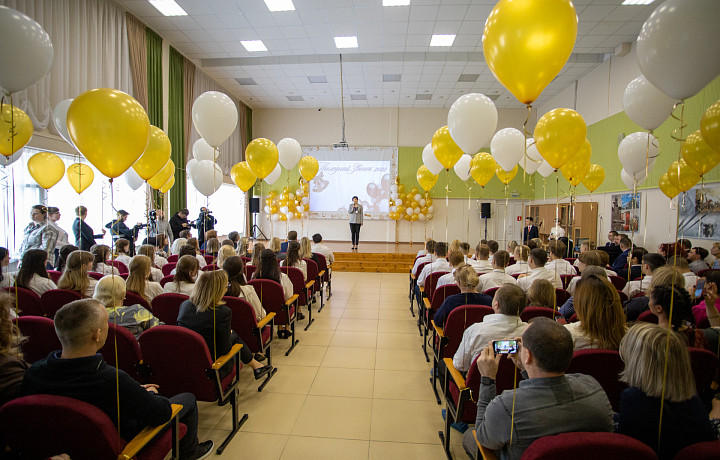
column 392, row 41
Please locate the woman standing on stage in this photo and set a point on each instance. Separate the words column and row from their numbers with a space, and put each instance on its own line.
column 356, row 220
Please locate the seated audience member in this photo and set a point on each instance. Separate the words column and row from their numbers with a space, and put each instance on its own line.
column 321, row 248
column 227, row 242
column 622, row 259
column 634, row 263
column 122, row 251
column 505, row 323
column 274, row 245
column 663, row 276
column 512, row 244
column 454, row 245
column 242, row 247
column 681, row 264
column 467, row 280
column 269, row 269
column 456, row 260
column 697, row 256
column 110, row 291
column 700, row 311
column 498, row 276
column 612, row 234
column 33, row 275
column 481, row 264
column 465, row 249
column 194, row 243
column 257, row 249
column 306, row 250
column 605, row 261
column 75, row 277
column 6, row 279
column 235, row 238
column 102, row 254
column 212, row 246
column 12, row 364
column 177, row 245
column 557, row 263
column 645, row 349
column 601, row 321
column 210, row 234
column 536, row 262
column 650, row 263
column 428, row 257
column 149, row 250
column 224, row 253
column 541, row 294
column 139, row 281
column 423, row 251
column 715, row 252
column 584, row 247
column 663, row 300
column 568, row 308
column 520, row 266
column 293, row 258
column 535, row 243
column 238, row 287
column 291, row 236
column 79, row 371
column 162, row 249
column 586, row 259
column 63, row 254
column 546, row 402
column 685, row 243
column 185, row 234
column 493, row 246
column 556, row 231
column 206, row 313
column 186, row 272
column 440, row 264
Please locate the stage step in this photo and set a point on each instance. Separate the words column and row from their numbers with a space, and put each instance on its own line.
column 373, row 262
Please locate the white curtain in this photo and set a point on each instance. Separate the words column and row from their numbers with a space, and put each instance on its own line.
column 89, row 39
column 231, row 150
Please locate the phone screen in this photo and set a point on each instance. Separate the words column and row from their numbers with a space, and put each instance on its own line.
column 699, row 287
column 505, row 346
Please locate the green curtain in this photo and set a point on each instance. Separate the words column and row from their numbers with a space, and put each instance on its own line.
column 175, row 131
column 154, row 82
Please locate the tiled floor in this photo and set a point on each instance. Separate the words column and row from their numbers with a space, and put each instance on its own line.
column 356, row 386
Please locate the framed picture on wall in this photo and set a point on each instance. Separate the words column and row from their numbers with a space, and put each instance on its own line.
column 699, row 210
column 625, row 212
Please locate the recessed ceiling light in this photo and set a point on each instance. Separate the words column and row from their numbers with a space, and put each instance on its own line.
column 253, row 45
column 317, row 79
column 395, row 2
column 280, row 5
column 468, row 77
column 637, row 2
column 358, row 97
column 392, row 77
column 346, row 42
column 168, row 7
column 423, row 97
column 442, row 40
column 246, row 81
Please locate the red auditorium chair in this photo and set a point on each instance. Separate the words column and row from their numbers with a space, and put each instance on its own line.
column 618, row 282
column 166, row 279
column 173, row 259
column 605, row 366
column 700, row 451
column 166, row 307
column 27, row 302
column 413, row 283
column 54, row 275
column 96, row 276
column 299, row 289
column 566, row 280
column 325, row 273
column 704, row 364
column 209, row 259
column 209, row 268
column 561, row 296
column 313, row 284
column 273, row 300
column 431, row 306
column 249, row 270
column 54, row 299
column 491, row 292
column 648, row 317
column 168, row 268
column 533, row 312
column 122, row 268
column 42, row 339
column 129, row 358
column 132, row 298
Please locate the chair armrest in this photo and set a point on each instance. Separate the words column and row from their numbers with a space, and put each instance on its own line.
column 292, row 299
column 455, row 374
column 487, row 454
column 321, row 273
column 225, row 358
column 438, row 330
column 412, row 275
column 309, row 284
column 263, row 322
column 427, row 303
column 422, row 288
column 146, row 435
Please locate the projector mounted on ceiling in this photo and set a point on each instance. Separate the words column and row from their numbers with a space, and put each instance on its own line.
column 340, row 145
column 343, row 143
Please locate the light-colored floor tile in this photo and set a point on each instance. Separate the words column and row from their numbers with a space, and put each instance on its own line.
column 365, row 304
column 324, row 323
column 209, row 414
column 399, row 341
column 304, row 448
column 358, row 325
column 273, row 413
column 291, row 379
column 354, row 339
column 397, row 314
column 318, row 337
column 401, row 360
column 330, row 311
column 405, row 421
column 352, row 358
column 333, row 417
column 250, row 445
column 351, row 383
column 405, row 326
column 408, row 385
column 302, row 355
column 359, row 313
column 394, row 450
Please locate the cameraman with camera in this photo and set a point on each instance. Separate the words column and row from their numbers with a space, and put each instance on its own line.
column 158, row 224
column 179, row 222
column 204, row 222
column 118, row 229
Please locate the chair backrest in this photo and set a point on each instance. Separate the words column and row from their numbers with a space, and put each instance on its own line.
column 707, row 271
column 420, row 269
column 54, row 275
column 648, row 317
column 618, row 282
column 566, row 280
column 41, row 337
column 166, row 307
column 249, row 270
column 699, row 451
column 573, row 318
column 243, row 321
column 516, row 275
column 209, row 259
column 209, row 268
column 704, row 364
column 322, row 265
column 133, row 298
column 534, row 312
column 166, row 279
column 507, row 376
column 173, row 258
column 312, row 273
column 561, row 296
column 588, row 446
column 177, row 358
column 54, row 299
column 246, row 259
column 122, row 268
column 491, row 292
column 95, row 275
column 623, row 296
column 570, row 259
column 27, row 302
column 459, row 319
column 298, row 282
column 128, row 351
column 605, row 366
column 168, row 268
column 271, row 297
column 431, row 283
column 442, row 293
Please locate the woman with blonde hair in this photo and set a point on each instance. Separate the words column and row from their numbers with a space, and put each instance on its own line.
column 212, row 246
column 601, row 321
column 454, row 245
column 102, row 253
column 75, row 277
column 110, row 291
column 512, row 244
column 177, row 244
column 467, row 280
column 223, row 254
column 206, row 313
column 139, row 280
column 306, row 250
column 243, row 247
column 275, row 244
column 238, row 287
column 257, row 250
column 186, row 272
column 646, row 349
column 541, row 294
column 149, row 251
column 12, row 364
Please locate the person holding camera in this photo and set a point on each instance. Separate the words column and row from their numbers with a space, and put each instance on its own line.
column 157, row 224
column 204, row 222
column 179, row 222
column 118, row 229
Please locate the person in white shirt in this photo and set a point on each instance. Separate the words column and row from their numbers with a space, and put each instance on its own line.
column 497, row 277
column 139, row 279
column 520, row 266
column 33, row 274
column 456, row 260
column 186, row 273
column 505, row 323
column 557, row 263
column 238, row 287
column 512, row 244
column 293, row 258
column 177, row 245
column 493, row 246
column 650, row 262
column 601, row 320
column 681, row 264
column 6, row 279
column 584, row 247
column 428, row 257
column 269, row 269
column 194, row 243
column 439, row 264
column 481, row 264
column 122, row 251
column 319, row 247
column 75, row 277
column 149, row 250
column 536, row 262
column 102, row 253
column 465, row 249
column 557, row 231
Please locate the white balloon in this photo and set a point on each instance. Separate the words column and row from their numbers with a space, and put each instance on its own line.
column 628, row 178
column 507, row 147
column 274, row 175
column 422, row 202
column 394, row 188
column 545, row 169
column 462, row 167
column 289, row 151
column 678, row 46
column 416, row 210
column 393, row 208
column 430, row 216
column 409, row 211
column 646, row 105
column 532, row 151
column 305, row 200
column 393, row 195
column 189, row 166
column 26, row 52
column 266, row 209
column 275, row 217
column 529, row 165
column 203, row 151
column 430, row 209
column 421, row 217
column 291, row 196
column 132, row 179
column 7, row 161
column 417, row 197
column 214, row 116
column 429, row 160
column 283, row 209
column 290, row 216
column 633, row 151
column 207, row 177
column 399, row 202
column 472, row 120
column 60, row 120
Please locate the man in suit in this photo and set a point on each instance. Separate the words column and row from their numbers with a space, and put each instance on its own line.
column 84, row 237
column 530, row 231
column 622, row 259
column 292, row 236
column 612, row 234
column 635, row 263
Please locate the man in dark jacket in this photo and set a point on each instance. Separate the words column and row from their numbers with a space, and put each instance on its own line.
column 179, row 222
column 204, row 222
column 84, row 237
column 118, row 229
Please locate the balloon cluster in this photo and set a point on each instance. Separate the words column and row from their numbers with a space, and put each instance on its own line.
column 411, row 205
column 288, row 205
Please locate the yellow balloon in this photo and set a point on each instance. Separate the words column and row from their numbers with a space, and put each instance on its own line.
column 298, row 215
column 506, row 176
column 428, row 201
column 425, row 178
column 401, row 210
column 414, row 191
column 16, row 129
column 156, row 154
column 710, row 126
column 164, row 175
column 579, row 165
column 559, row 134
column 401, row 188
column 283, row 217
column 168, row 185
column 698, row 154
column 272, row 194
column 527, row 42
column 482, row 168
column 80, row 176
column 110, row 128
column 668, row 188
column 262, row 156
column 414, row 217
column 274, row 209
column 446, row 150
column 594, row 178
column 46, row 168
column 308, row 167
column 243, row 176
column 682, row 176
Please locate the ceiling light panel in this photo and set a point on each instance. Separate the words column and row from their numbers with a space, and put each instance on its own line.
column 346, row 42
column 442, row 40
column 253, row 45
column 246, row 81
column 637, row 2
column 317, row 79
column 280, row 5
column 168, row 7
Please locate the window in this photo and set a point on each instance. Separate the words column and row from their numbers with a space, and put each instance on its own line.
column 227, row 206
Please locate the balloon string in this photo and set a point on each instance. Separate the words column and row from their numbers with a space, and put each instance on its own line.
column 527, row 135
column 505, row 226
column 679, row 130
column 447, row 201
column 468, row 215
column 557, row 198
